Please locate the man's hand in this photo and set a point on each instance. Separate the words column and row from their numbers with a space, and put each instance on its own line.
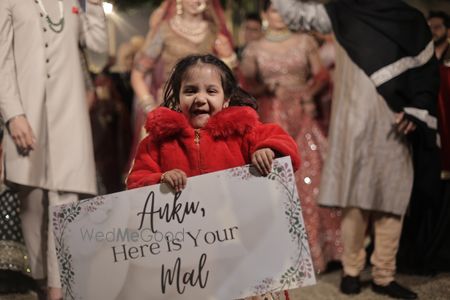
column 22, row 134
column 175, row 178
column 404, row 125
column 262, row 159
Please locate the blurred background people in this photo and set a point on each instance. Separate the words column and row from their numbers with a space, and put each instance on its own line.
column 285, row 74
column 14, row 263
column 385, row 95
column 48, row 149
column 425, row 247
column 281, row 70
column 251, row 30
column 111, row 118
column 178, row 28
column 439, row 23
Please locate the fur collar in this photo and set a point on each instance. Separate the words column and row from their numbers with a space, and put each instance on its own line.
column 164, row 123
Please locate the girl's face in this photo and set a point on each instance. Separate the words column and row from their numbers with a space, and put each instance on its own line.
column 201, row 94
column 274, row 20
column 194, row 7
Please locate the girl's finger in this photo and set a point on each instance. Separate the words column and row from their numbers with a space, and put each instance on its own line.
column 169, row 180
column 256, row 163
column 265, row 163
column 268, row 161
column 183, row 181
column 178, row 181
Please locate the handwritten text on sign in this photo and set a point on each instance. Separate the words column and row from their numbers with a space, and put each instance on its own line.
column 228, row 235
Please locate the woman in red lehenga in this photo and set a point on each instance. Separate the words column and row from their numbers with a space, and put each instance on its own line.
column 177, row 28
column 288, row 68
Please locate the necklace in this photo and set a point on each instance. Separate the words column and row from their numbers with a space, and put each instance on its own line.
column 193, row 32
column 278, row 36
column 54, row 26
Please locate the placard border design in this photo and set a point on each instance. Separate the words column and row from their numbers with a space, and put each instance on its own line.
column 302, row 267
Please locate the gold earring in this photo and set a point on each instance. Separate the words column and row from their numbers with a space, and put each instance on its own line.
column 179, row 8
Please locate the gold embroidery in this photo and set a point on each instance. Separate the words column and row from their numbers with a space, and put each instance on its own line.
column 13, row 256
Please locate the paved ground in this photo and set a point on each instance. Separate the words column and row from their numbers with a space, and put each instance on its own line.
column 428, row 288
column 30, row 296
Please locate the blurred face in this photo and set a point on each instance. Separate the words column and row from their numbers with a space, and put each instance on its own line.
column 201, row 94
column 252, row 31
column 274, row 19
column 438, row 30
column 194, row 7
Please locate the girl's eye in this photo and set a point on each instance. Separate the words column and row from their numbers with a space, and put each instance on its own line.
column 212, row 91
column 189, row 91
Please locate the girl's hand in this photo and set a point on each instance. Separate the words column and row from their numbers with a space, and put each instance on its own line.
column 262, row 159
column 175, row 178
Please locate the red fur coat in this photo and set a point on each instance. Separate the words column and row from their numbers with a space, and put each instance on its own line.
column 228, row 140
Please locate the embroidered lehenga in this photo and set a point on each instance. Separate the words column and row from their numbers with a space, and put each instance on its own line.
column 14, row 262
column 283, row 68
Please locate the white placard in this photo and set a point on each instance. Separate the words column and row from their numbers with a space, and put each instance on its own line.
column 228, row 235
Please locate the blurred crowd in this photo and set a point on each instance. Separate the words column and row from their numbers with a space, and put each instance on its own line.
column 293, row 76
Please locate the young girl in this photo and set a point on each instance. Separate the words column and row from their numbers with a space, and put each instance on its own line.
column 207, row 124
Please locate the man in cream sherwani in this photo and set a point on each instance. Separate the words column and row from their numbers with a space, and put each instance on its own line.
column 48, row 151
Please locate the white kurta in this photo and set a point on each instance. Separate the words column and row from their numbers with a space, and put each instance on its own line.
column 369, row 165
column 41, row 77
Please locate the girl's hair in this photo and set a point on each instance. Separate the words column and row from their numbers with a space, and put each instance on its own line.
column 232, row 91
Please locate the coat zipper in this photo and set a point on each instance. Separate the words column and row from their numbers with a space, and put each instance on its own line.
column 197, row 137
column 197, row 142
